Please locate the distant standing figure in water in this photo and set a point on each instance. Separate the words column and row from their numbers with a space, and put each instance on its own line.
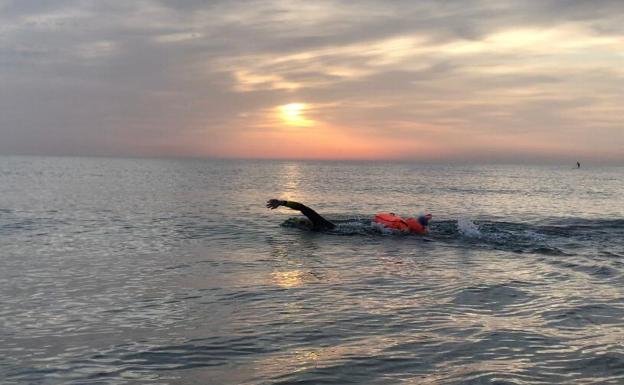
column 316, row 222
column 578, row 165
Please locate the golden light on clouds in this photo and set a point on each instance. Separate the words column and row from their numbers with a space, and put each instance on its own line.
column 248, row 81
column 337, row 80
column 292, row 114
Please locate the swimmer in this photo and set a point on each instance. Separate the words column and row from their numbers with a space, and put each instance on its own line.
column 316, row 222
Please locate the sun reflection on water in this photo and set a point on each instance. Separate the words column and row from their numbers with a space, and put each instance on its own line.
column 288, row 279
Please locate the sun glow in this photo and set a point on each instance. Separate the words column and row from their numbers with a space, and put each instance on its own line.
column 292, row 114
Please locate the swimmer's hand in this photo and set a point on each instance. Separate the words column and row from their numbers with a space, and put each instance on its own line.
column 274, row 203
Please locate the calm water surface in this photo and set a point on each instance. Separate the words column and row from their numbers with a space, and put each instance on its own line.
column 144, row 271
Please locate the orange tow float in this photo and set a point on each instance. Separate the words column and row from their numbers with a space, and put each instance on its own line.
column 412, row 225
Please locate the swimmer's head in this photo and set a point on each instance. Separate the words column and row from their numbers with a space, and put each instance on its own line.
column 424, row 219
column 419, row 225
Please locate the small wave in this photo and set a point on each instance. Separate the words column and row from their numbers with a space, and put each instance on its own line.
column 546, row 250
column 353, row 226
column 364, row 227
column 560, row 239
column 581, row 226
column 378, row 227
column 490, row 297
column 583, row 315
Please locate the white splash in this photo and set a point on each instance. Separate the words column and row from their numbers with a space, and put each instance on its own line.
column 533, row 236
column 383, row 229
column 352, row 227
column 467, row 228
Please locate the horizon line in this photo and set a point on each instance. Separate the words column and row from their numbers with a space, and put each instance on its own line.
column 516, row 161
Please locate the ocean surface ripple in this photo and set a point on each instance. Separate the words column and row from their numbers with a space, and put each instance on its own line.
column 151, row 271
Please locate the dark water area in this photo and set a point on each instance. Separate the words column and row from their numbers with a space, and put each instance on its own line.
column 148, row 271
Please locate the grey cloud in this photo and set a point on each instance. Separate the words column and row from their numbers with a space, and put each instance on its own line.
column 98, row 80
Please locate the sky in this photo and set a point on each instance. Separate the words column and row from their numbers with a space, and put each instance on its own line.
column 470, row 80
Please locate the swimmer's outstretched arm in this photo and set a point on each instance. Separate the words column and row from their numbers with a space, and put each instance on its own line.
column 318, row 222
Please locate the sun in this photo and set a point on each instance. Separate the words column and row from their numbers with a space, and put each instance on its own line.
column 292, row 114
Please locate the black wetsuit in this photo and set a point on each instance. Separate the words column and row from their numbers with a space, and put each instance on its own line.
column 318, row 222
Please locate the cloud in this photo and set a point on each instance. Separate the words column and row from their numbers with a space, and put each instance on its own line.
column 199, row 78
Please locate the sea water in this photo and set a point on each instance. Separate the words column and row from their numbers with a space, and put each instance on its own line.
column 153, row 271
